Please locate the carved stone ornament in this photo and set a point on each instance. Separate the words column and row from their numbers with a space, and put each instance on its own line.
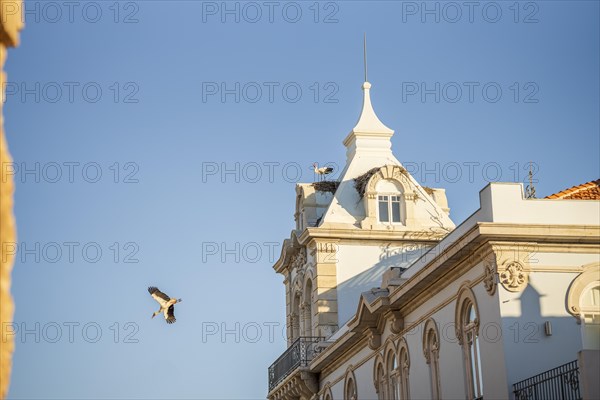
column 514, row 278
column 414, row 196
column 432, row 350
column 299, row 259
column 299, row 282
column 397, row 322
column 374, row 339
column 489, row 279
column 394, row 172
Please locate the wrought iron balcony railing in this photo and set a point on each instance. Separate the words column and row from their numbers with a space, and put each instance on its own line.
column 299, row 354
column 558, row 383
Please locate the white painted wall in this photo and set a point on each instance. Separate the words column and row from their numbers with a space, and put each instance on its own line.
column 452, row 368
column 528, row 350
column 362, row 365
column 360, row 268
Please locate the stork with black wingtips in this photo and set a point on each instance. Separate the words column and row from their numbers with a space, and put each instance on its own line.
column 167, row 304
column 322, row 171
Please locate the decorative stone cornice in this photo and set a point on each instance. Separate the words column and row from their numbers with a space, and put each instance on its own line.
column 341, row 234
column 300, row 384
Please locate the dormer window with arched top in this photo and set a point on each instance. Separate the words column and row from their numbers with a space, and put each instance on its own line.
column 387, row 203
column 390, row 202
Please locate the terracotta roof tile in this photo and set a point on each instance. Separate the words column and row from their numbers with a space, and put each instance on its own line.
column 586, row 191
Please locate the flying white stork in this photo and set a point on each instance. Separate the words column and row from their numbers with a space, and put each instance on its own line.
column 167, row 304
column 323, row 170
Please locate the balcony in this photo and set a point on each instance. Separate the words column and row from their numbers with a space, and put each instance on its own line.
column 299, row 354
column 558, row 383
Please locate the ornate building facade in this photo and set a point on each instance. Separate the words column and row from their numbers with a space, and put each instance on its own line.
column 387, row 299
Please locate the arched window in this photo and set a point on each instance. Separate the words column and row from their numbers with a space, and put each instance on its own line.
column 590, row 316
column 583, row 300
column 379, row 378
column 471, row 350
column 388, row 198
column 403, row 368
column 307, row 308
column 327, row 392
column 390, row 202
column 350, row 391
column 392, row 373
column 295, row 316
column 431, row 349
column 467, row 324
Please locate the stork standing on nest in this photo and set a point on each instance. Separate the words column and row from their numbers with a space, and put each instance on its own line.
column 322, row 171
column 167, row 304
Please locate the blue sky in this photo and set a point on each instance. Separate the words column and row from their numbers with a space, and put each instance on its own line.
column 119, row 113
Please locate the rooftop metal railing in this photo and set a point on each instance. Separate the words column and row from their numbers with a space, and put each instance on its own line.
column 299, row 354
column 558, row 383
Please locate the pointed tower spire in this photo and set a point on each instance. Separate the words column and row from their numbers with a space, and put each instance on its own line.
column 368, row 122
column 368, row 125
column 369, row 149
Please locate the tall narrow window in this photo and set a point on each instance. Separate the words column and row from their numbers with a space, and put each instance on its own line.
column 380, row 380
column 392, row 374
column 395, row 206
column 467, row 323
column 384, row 207
column 295, row 316
column 434, row 368
column 403, row 369
column 471, row 350
column 431, row 349
column 350, row 392
column 307, row 309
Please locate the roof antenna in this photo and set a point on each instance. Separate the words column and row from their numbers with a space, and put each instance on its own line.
column 530, row 189
column 365, row 55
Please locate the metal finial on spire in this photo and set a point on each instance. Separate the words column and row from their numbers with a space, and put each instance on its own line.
column 530, row 189
column 365, row 55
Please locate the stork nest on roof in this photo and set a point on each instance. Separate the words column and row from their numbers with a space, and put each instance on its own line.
column 326, row 186
column 360, row 183
column 428, row 190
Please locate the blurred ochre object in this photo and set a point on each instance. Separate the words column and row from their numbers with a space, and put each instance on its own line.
column 11, row 22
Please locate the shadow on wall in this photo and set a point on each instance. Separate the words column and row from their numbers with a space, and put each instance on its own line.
column 529, row 348
column 349, row 291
